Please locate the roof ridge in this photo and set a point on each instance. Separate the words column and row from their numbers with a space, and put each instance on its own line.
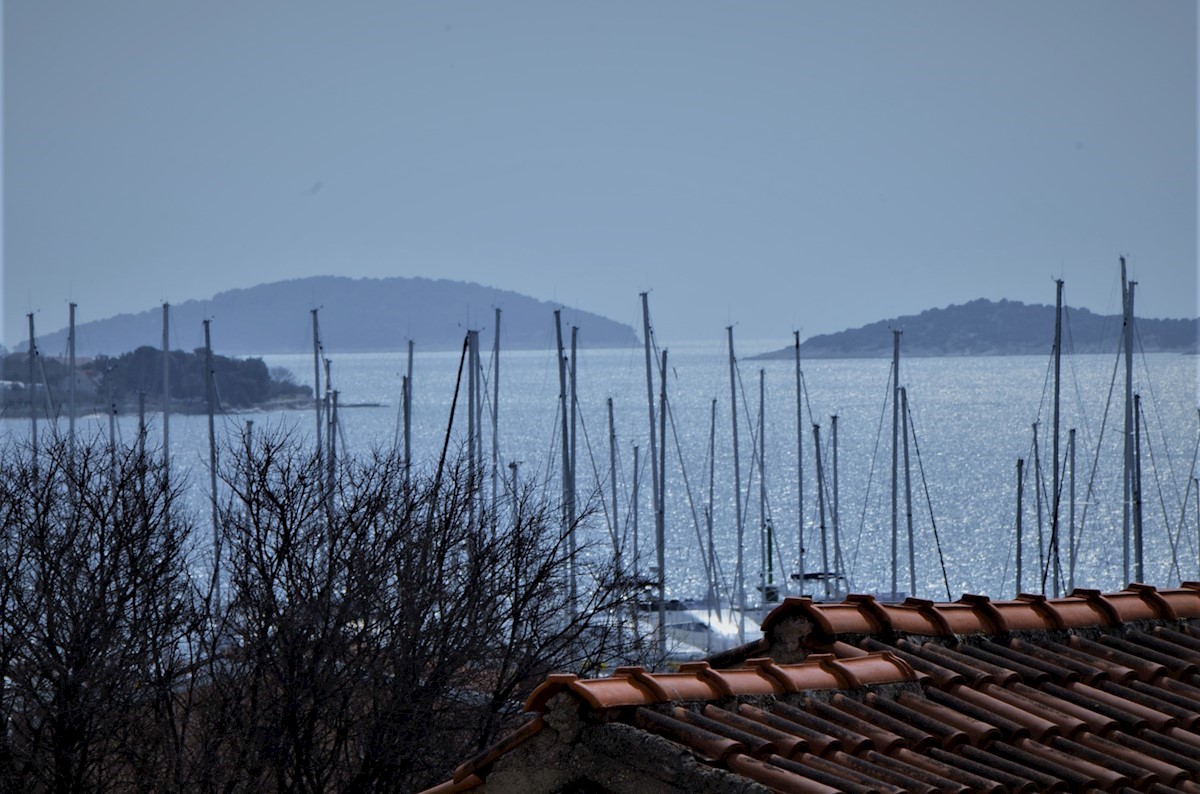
column 861, row 614
column 699, row 681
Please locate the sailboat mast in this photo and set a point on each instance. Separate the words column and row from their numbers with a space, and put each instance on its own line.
column 574, row 404
column 71, row 388
column 1139, row 570
column 1071, row 516
column 496, row 417
column 33, row 430
column 1020, row 508
column 408, row 388
column 166, row 403
column 660, row 510
column 895, row 453
column 1127, row 334
column 330, row 441
column 1055, row 559
column 317, row 399
column 210, row 398
column 766, row 540
column 712, row 449
column 141, row 435
column 612, row 483
column 637, row 476
column 650, row 398
column 654, row 480
column 739, row 575
column 566, row 456
column 799, row 467
column 1037, row 491
column 827, row 570
column 837, row 530
column 473, row 430
column 908, row 516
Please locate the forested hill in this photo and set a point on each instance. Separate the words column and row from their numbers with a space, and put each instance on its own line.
column 1001, row 328
column 355, row 315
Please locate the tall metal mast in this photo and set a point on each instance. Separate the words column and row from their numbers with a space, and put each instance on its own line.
column 1127, row 498
column 210, row 397
column 895, row 454
column 1020, row 510
column 574, row 406
column 837, row 529
column 766, row 540
column 473, row 430
column 71, row 392
column 496, row 417
column 712, row 465
column 567, row 517
column 799, row 467
column 1055, row 480
column 1071, row 518
column 912, row 548
column 33, row 430
column 660, row 510
column 654, row 480
column 612, row 484
column 166, row 403
column 408, row 389
column 1139, row 570
column 828, row 570
column 650, row 398
column 739, row 576
column 317, row 399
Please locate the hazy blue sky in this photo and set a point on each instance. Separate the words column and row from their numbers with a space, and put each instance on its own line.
column 776, row 165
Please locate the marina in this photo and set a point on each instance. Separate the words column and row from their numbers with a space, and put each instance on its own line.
column 973, row 419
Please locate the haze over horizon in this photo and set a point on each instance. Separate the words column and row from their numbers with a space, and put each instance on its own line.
column 783, row 165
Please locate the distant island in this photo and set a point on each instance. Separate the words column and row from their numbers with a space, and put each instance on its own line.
column 996, row 328
column 106, row 381
column 355, row 316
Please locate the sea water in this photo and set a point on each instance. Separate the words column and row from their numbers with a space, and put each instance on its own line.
column 971, row 419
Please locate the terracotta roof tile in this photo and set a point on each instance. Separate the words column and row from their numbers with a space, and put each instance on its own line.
column 1167, row 773
column 818, row 742
column 1009, row 729
column 466, row 773
column 881, row 738
column 778, row 777
column 1158, row 699
column 914, row 736
column 1145, row 669
column 711, row 744
column 943, row 676
column 787, row 743
column 1075, row 770
column 953, row 772
column 1001, row 658
column 1002, row 776
column 918, row 772
column 961, row 657
column 1032, row 772
column 1089, row 691
column 851, row 741
column 950, row 727
column 865, row 765
column 1113, row 670
column 1019, row 658
column 1073, row 712
column 849, row 780
column 1027, row 613
column 753, row 743
column 1179, row 661
column 1184, row 600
